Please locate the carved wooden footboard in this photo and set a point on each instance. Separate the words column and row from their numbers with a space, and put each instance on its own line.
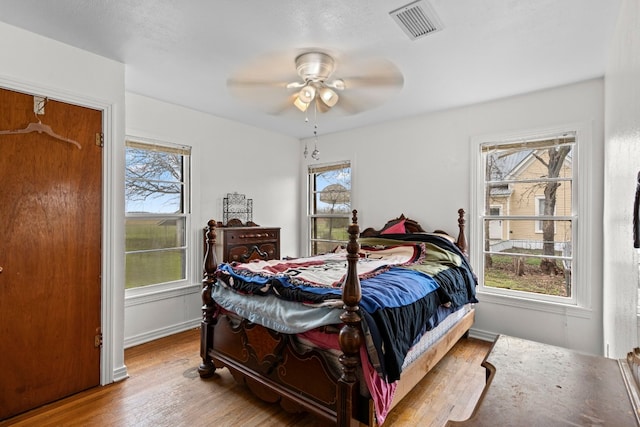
column 271, row 365
column 268, row 362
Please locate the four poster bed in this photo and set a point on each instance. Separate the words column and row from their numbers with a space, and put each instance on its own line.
column 344, row 335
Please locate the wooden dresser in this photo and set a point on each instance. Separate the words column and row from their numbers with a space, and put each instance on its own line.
column 533, row 384
column 244, row 244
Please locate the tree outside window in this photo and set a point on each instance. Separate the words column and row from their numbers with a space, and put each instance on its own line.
column 156, row 208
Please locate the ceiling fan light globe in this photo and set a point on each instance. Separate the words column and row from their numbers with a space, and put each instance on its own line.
column 328, row 96
column 307, row 94
column 302, row 106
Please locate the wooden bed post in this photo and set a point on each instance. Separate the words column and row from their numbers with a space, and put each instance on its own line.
column 207, row 368
column 350, row 337
column 462, row 240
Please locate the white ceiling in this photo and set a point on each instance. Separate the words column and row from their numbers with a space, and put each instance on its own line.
column 184, row 51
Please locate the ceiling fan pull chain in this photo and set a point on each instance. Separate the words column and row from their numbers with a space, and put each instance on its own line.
column 315, row 155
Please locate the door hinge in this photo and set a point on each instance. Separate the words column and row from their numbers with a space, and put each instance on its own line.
column 100, row 139
column 98, row 341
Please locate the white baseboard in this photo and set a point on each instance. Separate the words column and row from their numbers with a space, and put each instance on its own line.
column 161, row 333
column 483, row 335
column 120, row 373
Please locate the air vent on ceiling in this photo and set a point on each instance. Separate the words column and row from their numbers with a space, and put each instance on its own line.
column 417, row 19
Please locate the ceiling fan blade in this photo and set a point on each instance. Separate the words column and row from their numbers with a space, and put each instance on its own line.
column 373, row 81
column 369, row 72
column 295, row 85
column 337, row 84
column 267, row 83
column 349, row 106
column 356, row 101
column 261, row 96
column 284, row 107
column 238, row 83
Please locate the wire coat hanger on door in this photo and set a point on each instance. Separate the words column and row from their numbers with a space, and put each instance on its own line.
column 40, row 128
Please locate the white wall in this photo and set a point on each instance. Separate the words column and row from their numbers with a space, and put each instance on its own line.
column 226, row 157
column 420, row 166
column 622, row 164
column 425, row 160
column 34, row 64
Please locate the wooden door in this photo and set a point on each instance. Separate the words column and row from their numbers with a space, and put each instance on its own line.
column 50, row 253
column 495, row 226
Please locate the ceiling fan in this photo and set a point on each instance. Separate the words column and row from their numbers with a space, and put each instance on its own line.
column 316, row 79
column 315, row 69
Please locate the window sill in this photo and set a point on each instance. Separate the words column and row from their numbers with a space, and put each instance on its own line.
column 147, row 294
column 537, row 305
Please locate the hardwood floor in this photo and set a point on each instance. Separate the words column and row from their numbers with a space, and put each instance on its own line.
column 164, row 389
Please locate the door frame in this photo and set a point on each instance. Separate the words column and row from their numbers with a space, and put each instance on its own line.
column 109, row 304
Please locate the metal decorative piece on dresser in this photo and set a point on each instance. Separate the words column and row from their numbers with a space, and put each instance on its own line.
column 237, row 210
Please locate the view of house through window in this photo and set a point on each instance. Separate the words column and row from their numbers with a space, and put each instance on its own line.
column 156, row 208
column 329, row 206
column 528, row 216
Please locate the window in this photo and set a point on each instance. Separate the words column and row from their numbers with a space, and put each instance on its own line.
column 540, row 209
column 534, row 177
column 329, row 206
column 156, row 213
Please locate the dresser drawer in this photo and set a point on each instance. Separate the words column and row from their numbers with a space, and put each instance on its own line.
column 243, row 244
column 252, row 251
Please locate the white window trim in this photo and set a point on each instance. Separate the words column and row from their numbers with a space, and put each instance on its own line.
column 311, row 215
column 582, row 158
column 157, row 290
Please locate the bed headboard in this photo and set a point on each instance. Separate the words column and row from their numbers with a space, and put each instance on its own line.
column 413, row 226
column 410, row 225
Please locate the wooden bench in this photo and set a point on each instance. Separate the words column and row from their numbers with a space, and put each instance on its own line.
column 533, row 384
column 630, row 369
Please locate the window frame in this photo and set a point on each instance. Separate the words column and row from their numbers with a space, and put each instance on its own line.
column 185, row 215
column 580, row 216
column 312, row 170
